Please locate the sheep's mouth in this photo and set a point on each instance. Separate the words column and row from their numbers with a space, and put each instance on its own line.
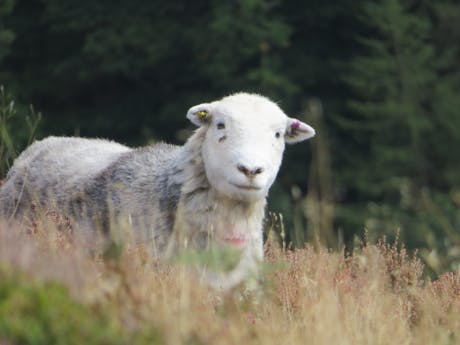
column 246, row 187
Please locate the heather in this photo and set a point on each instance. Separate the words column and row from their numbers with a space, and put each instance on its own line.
column 52, row 291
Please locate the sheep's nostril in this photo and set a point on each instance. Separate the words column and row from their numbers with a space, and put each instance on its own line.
column 243, row 169
column 257, row 171
column 250, row 172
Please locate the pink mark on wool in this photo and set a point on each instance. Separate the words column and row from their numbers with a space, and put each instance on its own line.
column 236, row 242
column 234, row 238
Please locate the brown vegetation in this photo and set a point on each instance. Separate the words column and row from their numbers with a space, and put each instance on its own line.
column 373, row 296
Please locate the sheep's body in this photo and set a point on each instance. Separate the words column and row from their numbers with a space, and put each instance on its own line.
column 164, row 193
column 54, row 168
column 98, row 182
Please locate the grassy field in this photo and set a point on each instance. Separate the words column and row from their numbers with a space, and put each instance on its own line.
column 51, row 292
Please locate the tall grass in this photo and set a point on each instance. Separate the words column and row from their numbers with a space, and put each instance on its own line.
column 17, row 129
column 52, row 292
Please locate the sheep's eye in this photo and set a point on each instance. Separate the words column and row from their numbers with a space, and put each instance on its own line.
column 277, row 134
column 221, row 125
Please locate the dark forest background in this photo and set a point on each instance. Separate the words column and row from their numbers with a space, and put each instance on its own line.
column 379, row 80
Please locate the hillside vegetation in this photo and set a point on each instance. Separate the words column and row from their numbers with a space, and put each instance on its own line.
column 52, row 292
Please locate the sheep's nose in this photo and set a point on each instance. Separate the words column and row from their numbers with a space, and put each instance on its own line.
column 250, row 172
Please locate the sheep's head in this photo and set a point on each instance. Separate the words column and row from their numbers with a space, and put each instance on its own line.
column 244, row 143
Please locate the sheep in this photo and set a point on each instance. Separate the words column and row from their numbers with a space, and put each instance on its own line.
column 211, row 190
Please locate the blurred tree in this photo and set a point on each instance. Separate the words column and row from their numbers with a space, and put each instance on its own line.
column 401, row 119
column 6, row 34
column 131, row 69
column 393, row 84
column 319, row 48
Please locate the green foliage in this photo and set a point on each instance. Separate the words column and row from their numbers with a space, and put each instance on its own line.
column 393, row 82
column 34, row 312
column 398, row 116
column 215, row 258
column 44, row 313
column 6, row 35
column 95, row 68
column 17, row 130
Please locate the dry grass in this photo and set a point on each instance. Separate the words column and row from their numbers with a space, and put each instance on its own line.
column 375, row 296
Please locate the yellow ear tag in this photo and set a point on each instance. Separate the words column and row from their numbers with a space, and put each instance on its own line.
column 202, row 114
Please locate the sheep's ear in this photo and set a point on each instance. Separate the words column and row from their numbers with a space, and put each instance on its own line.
column 298, row 131
column 200, row 114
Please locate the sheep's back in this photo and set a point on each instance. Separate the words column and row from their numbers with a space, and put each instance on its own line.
column 144, row 176
column 52, row 167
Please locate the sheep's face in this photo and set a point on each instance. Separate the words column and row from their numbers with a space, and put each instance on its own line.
column 244, row 143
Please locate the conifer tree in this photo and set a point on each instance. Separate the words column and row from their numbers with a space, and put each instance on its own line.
column 393, row 82
column 6, row 34
column 390, row 112
column 402, row 117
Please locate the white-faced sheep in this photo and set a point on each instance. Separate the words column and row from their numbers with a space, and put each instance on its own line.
column 211, row 190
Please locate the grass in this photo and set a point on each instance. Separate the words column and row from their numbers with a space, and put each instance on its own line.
column 17, row 128
column 52, row 292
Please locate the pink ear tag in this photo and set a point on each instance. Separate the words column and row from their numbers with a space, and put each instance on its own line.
column 295, row 125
